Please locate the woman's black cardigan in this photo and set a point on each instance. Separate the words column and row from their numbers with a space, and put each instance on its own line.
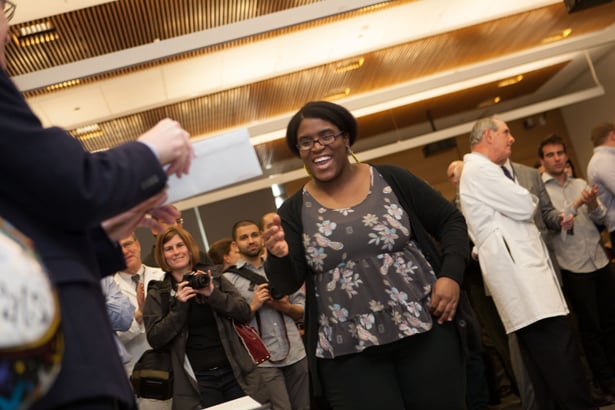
column 431, row 217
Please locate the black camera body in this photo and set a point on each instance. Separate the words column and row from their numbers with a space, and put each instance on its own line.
column 197, row 281
column 275, row 294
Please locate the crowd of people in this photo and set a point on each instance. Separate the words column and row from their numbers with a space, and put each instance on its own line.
column 355, row 285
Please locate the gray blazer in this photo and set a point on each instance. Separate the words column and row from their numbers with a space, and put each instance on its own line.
column 546, row 216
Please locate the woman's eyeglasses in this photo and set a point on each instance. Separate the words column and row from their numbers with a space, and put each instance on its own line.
column 306, row 143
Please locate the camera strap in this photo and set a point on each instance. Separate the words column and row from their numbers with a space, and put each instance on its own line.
column 248, row 274
column 254, row 277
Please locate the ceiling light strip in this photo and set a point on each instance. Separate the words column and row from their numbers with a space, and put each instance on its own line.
column 420, row 90
column 265, row 183
column 183, row 44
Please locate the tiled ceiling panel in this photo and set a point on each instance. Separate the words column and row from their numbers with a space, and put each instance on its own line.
column 125, row 24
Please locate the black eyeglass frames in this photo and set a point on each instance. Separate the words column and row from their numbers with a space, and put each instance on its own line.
column 306, row 143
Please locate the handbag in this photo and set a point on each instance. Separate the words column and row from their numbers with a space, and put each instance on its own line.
column 152, row 376
column 252, row 342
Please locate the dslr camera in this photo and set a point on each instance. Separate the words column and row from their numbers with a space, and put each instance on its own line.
column 197, row 281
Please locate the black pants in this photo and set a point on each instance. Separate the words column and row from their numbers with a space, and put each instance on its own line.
column 592, row 298
column 100, row 403
column 488, row 316
column 424, row 371
column 217, row 386
column 552, row 358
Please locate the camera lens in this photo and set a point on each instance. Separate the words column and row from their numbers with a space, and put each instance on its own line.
column 274, row 293
column 197, row 281
column 201, row 281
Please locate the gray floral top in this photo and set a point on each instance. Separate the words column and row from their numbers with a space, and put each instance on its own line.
column 372, row 282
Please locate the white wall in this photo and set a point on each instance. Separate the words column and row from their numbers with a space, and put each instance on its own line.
column 582, row 117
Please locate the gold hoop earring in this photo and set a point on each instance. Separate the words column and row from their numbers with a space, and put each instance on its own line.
column 307, row 171
column 353, row 155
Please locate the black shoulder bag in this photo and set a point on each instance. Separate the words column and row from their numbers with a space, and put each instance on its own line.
column 152, row 376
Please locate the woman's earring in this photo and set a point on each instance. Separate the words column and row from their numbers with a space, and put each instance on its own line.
column 353, row 155
column 307, row 171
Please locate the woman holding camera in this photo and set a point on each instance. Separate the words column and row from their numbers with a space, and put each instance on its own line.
column 190, row 312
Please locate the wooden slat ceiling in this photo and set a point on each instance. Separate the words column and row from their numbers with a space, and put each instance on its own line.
column 123, row 24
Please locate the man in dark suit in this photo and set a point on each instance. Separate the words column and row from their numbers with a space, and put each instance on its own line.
column 74, row 205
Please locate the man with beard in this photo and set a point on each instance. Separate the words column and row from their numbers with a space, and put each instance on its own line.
column 286, row 372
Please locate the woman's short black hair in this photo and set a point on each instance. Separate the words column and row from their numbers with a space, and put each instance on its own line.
column 324, row 110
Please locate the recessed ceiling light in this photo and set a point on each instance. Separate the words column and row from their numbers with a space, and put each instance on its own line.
column 349, row 65
column 34, row 34
column 87, row 132
column 510, row 81
column 337, row 94
column 490, row 102
column 557, row 37
column 35, row 29
column 63, row 84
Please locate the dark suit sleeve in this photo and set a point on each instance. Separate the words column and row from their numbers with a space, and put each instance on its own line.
column 60, row 182
column 108, row 253
column 549, row 214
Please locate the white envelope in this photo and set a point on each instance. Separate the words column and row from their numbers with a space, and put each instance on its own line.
column 220, row 161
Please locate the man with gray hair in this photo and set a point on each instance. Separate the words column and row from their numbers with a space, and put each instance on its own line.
column 517, row 269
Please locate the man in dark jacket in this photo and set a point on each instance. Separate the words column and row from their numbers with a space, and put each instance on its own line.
column 59, row 195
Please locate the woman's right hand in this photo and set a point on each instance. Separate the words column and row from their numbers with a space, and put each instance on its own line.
column 184, row 292
column 274, row 239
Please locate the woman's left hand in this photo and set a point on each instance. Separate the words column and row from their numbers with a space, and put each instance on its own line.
column 207, row 290
column 444, row 299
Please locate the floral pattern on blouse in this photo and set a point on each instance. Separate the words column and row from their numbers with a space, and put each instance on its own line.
column 372, row 283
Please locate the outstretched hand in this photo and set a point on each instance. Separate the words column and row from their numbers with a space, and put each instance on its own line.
column 122, row 225
column 172, row 144
column 274, row 238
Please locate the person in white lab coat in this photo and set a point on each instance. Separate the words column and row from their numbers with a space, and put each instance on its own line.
column 517, row 270
column 133, row 282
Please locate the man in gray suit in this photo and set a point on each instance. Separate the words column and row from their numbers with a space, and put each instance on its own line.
column 546, row 217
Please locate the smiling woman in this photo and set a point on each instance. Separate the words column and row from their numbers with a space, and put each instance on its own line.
column 198, row 327
column 380, row 298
